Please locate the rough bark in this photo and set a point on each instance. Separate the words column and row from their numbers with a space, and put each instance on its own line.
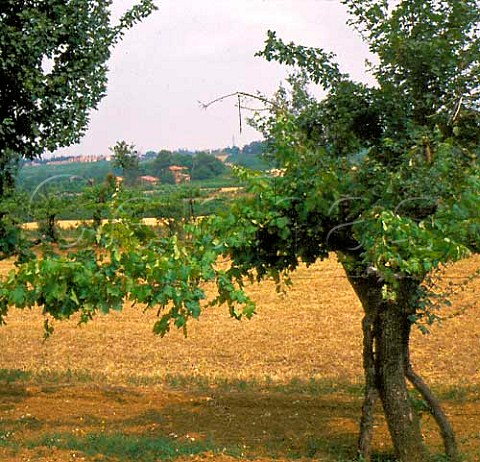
column 386, row 361
column 371, row 392
column 370, row 297
column 402, row 421
column 386, row 329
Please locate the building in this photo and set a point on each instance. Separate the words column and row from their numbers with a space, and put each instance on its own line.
column 180, row 174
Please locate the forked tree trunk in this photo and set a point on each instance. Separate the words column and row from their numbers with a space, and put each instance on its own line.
column 386, row 329
column 446, row 429
column 386, row 361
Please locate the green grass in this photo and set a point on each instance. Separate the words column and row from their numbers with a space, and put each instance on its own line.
column 122, row 447
column 9, row 376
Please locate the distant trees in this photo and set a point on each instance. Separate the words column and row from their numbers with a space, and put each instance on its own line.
column 252, row 155
column 125, row 156
column 200, row 165
column 160, row 164
column 205, row 166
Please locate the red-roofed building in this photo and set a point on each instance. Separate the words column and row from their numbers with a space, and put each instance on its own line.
column 180, row 174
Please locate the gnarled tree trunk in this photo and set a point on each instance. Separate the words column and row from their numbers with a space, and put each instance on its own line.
column 386, row 361
column 402, row 420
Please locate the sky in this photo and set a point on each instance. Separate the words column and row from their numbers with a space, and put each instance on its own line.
column 194, row 51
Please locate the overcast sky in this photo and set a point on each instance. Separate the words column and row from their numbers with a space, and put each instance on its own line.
column 197, row 50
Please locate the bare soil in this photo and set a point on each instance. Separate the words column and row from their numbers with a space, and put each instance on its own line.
column 285, row 385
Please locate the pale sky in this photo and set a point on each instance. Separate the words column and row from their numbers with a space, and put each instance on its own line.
column 198, row 50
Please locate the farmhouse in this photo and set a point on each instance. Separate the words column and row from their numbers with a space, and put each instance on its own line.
column 180, row 174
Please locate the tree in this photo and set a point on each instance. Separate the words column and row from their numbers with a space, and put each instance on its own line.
column 160, row 164
column 386, row 176
column 205, row 166
column 12, row 213
column 201, row 165
column 252, row 156
column 53, row 72
column 97, row 198
column 125, row 156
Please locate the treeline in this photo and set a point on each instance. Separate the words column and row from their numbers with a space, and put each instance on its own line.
column 49, row 192
column 253, row 156
column 206, row 165
column 213, row 166
column 199, row 166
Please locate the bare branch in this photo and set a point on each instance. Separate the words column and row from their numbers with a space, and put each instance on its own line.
column 239, row 94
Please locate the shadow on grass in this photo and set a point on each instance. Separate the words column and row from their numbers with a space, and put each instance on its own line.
column 313, row 419
column 122, row 447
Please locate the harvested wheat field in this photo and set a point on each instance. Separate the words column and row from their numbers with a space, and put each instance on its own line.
column 285, row 385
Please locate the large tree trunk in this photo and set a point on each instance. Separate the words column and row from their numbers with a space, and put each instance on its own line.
column 402, row 421
column 386, row 361
column 386, row 329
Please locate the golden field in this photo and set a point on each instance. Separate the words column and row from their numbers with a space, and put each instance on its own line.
column 285, row 384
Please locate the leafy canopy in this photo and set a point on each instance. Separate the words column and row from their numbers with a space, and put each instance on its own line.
column 53, row 69
column 386, row 173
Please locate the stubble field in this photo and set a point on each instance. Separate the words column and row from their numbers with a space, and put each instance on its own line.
column 285, row 385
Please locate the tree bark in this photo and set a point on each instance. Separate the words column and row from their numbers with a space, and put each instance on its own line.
column 386, row 361
column 370, row 297
column 402, row 421
column 371, row 392
column 386, row 329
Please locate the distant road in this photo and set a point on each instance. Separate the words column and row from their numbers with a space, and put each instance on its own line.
column 72, row 224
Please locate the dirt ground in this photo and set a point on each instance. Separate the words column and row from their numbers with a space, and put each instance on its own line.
column 285, row 385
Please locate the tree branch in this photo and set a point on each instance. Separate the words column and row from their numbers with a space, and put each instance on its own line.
column 239, row 94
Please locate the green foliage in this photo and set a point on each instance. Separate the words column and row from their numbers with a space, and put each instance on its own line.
column 205, row 166
column 126, row 157
column 319, row 65
column 252, row 155
column 200, row 165
column 385, row 175
column 11, row 239
column 382, row 172
column 73, row 177
column 129, row 262
column 123, row 447
column 98, row 198
column 54, row 70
